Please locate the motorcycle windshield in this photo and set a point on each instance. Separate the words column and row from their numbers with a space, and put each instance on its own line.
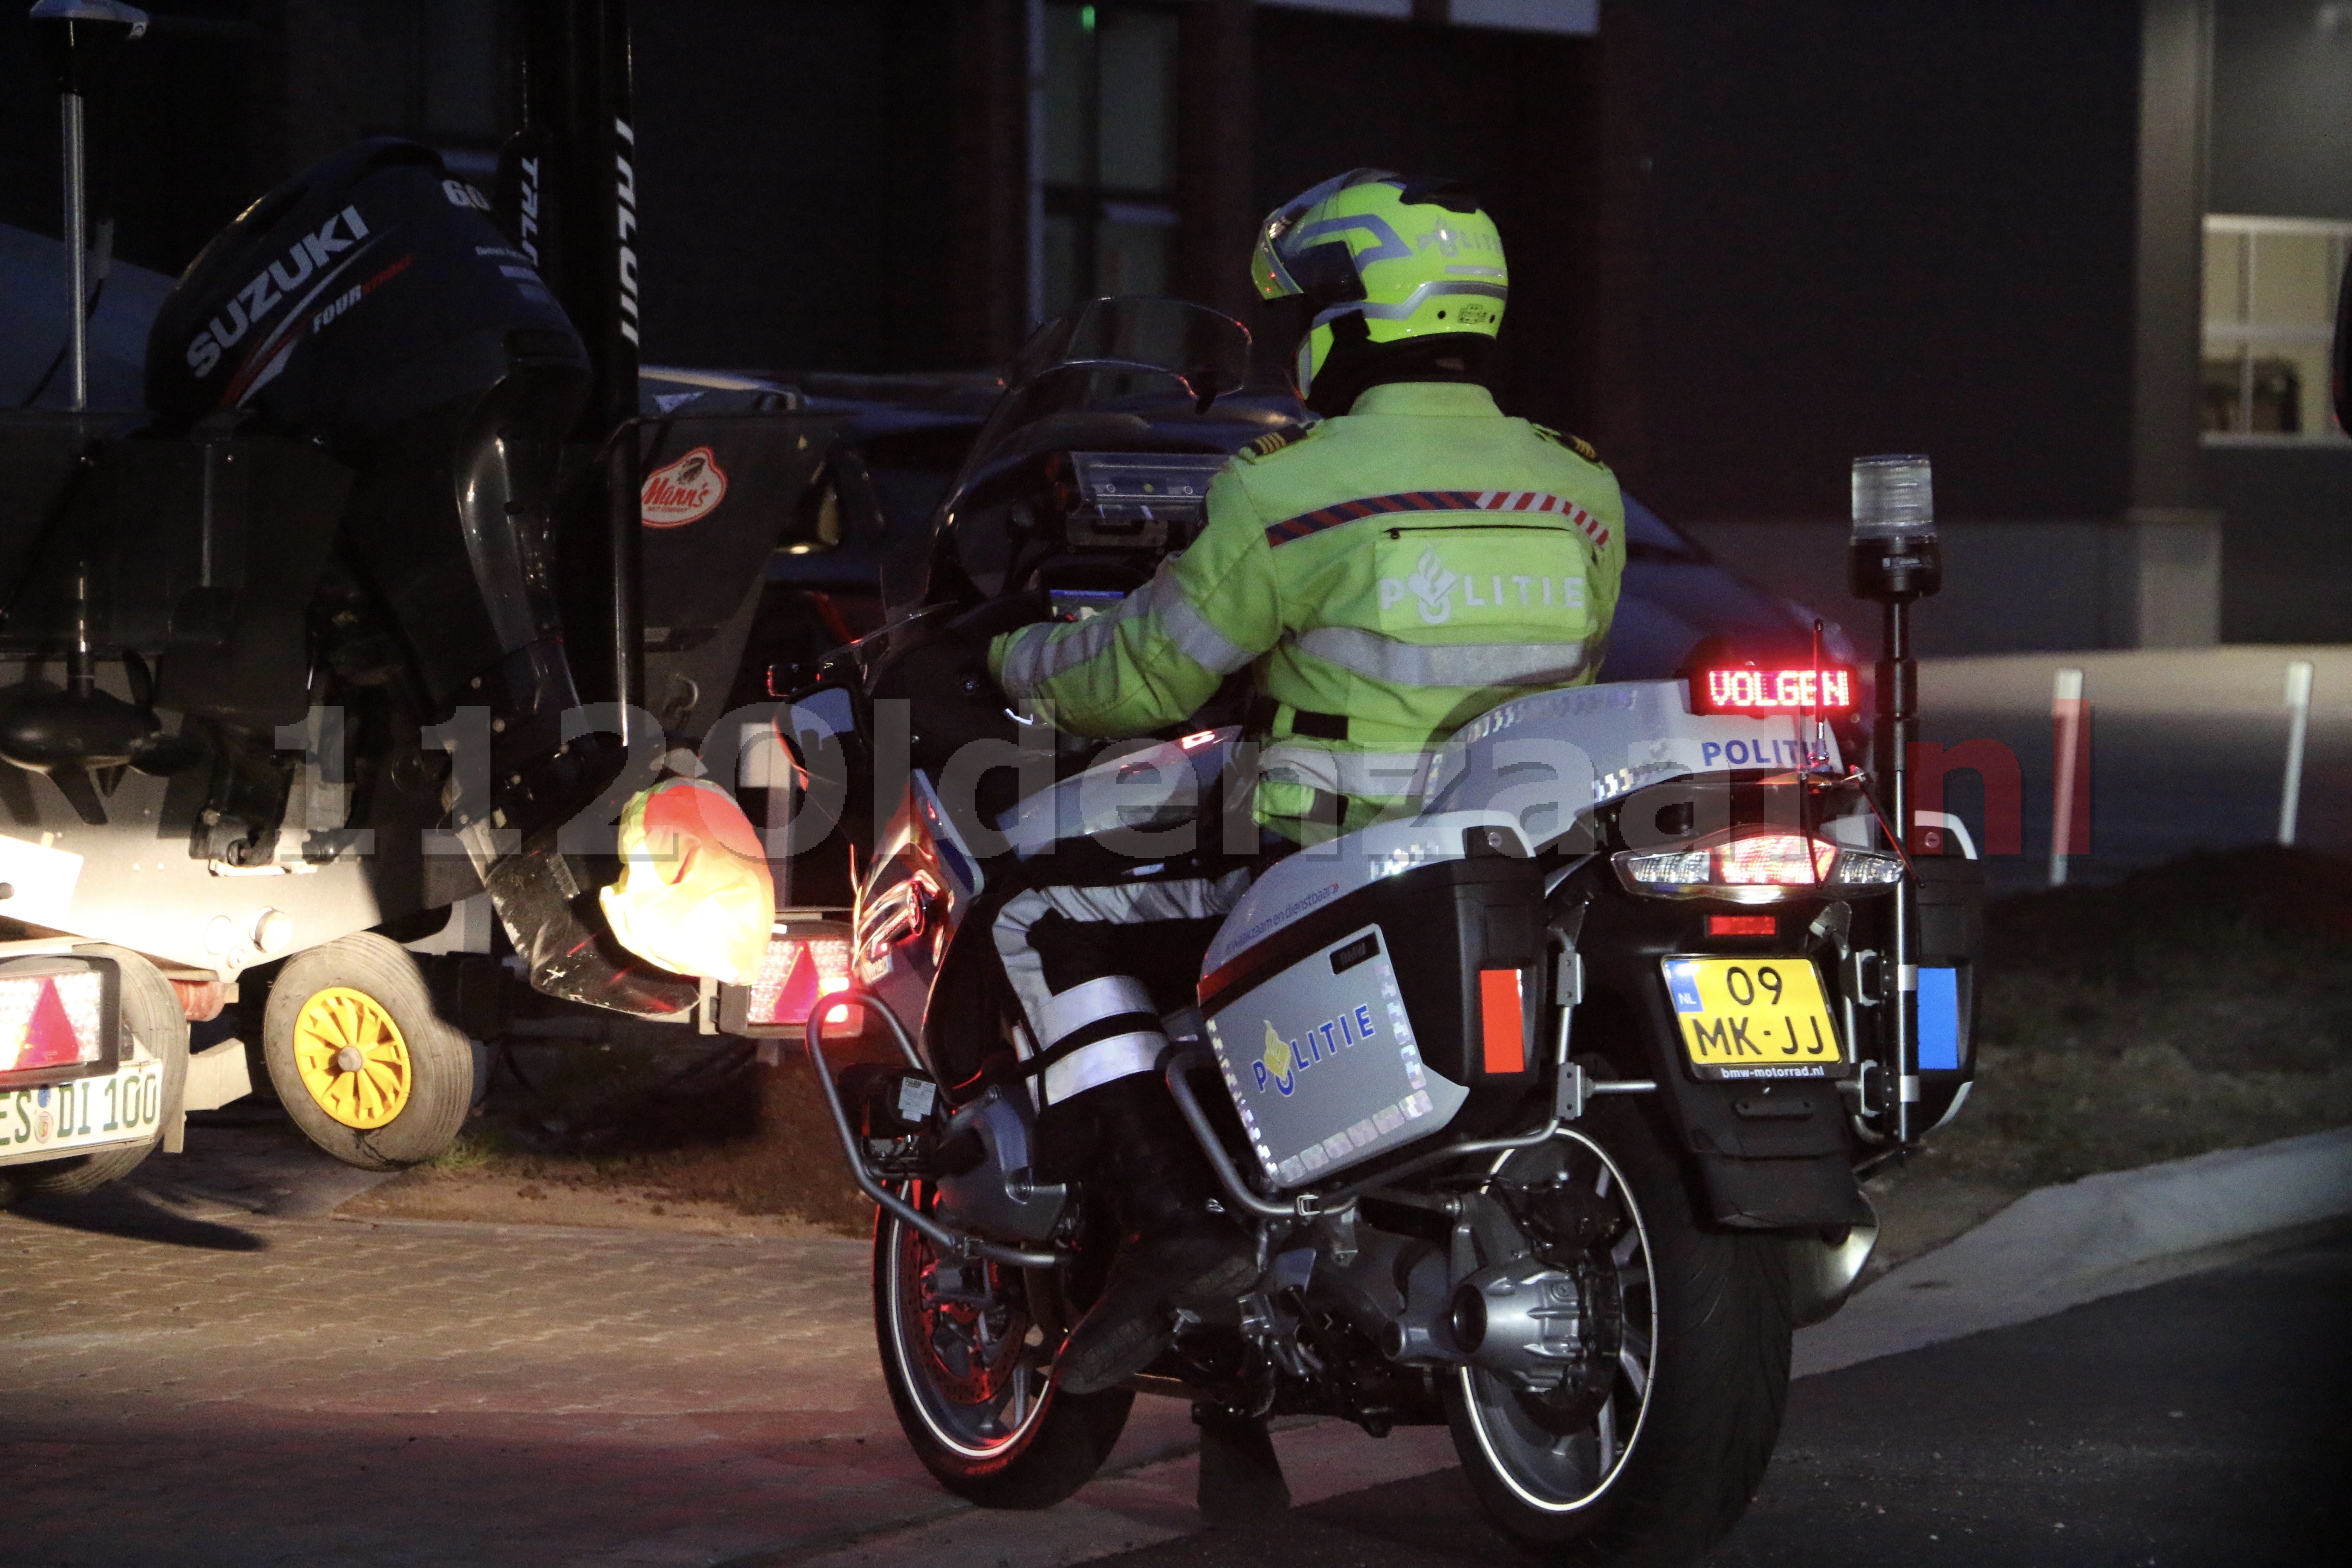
column 1145, row 360
column 1109, row 375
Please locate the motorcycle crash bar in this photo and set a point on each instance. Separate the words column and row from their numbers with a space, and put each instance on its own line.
column 1180, row 1061
column 958, row 1245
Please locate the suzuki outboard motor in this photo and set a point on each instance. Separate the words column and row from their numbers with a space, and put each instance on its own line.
column 371, row 307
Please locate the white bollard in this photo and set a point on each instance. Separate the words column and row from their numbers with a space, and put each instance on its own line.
column 2298, row 721
column 2066, row 709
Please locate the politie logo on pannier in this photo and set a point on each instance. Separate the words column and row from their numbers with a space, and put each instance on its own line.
column 1323, row 1064
column 676, row 493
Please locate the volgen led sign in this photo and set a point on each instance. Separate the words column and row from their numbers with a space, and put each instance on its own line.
column 1829, row 688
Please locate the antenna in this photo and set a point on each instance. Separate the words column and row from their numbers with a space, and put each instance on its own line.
column 1817, row 751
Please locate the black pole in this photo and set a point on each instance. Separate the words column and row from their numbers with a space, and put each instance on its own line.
column 569, row 182
column 82, row 41
column 1899, row 723
column 1895, row 558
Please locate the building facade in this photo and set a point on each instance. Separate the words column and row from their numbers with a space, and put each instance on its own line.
column 2080, row 254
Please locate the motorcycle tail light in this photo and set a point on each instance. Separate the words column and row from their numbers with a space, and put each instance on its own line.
column 1680, row 868
column 1747, row 866
column 1866, row 868
column 1774, row 859
column 794, row 974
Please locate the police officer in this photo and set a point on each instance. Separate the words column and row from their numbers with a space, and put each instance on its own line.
column 1407, row 563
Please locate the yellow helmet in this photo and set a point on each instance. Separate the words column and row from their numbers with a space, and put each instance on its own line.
column 1378, row 259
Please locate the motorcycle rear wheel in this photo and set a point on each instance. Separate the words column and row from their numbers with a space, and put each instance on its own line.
column 1668, row 1464
column 970, row 1375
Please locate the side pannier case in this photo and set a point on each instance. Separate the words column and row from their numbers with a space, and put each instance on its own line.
column 1369, row 1024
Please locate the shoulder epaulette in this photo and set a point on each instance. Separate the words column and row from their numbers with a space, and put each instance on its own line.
column 1576, row 444
column 1266, row 445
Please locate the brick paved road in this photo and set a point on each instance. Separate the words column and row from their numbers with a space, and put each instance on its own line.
column 274, row 1390
column 193, row 1384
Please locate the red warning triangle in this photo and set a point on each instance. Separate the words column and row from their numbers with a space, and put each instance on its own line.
column 799, row 989
column 49, row 1037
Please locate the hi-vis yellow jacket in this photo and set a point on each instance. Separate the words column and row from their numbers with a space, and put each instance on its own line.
column 1391, row 574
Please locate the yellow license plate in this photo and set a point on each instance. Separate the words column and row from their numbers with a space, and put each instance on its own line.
column 1753, row 1017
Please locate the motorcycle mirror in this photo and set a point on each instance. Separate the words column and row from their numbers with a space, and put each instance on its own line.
column 816, row 523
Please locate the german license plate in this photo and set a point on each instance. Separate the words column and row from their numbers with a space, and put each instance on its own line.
column 1754, row 1017
column 122, row 1107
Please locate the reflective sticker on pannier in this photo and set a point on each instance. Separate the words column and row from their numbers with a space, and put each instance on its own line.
column 1940, row 1020
column 1502, row 1018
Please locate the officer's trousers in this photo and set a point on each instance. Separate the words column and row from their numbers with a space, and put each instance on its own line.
column 1101, row 972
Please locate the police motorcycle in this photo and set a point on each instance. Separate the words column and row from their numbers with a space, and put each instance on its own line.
column 392, row 567
column 1544, row 1103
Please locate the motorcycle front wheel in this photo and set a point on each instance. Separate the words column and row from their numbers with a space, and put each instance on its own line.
column 1667, row 1461
column 969, row 1366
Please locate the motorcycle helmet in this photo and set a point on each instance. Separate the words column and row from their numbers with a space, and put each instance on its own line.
column 1379, row 261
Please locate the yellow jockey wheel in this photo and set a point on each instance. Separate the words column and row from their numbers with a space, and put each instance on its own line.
column 353, row 1057
column 360, row 1058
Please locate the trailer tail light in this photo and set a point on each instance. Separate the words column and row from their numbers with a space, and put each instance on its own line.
column 795, row 972
column 49, row 1021
column 1805, row 690
column 1750, row 865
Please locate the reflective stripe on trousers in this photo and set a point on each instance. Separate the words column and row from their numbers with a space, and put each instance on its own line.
column 1047, row 1011
column 1113, row 1057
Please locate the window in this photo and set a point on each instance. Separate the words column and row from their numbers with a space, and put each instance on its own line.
column 2270, row 309
column 1109, row 152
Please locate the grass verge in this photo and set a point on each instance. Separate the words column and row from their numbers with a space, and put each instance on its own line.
column 2201, row 1004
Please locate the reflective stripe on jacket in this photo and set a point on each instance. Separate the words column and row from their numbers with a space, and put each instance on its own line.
column 1406, row 567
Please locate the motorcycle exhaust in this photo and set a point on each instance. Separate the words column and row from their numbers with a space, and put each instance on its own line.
column 1525, row 1319
column 1821, row 1273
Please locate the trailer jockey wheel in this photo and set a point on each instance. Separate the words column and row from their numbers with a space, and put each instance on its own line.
column 361, row 1062
column 353, row 1057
